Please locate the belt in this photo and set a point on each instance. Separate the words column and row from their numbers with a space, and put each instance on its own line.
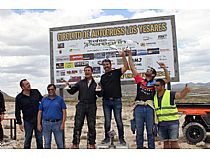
column 51, row 120
column 144, row 103
column 111, row 98
column 88, row 101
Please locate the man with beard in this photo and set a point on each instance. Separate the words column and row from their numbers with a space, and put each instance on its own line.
column 144, row 108
column 111, row 86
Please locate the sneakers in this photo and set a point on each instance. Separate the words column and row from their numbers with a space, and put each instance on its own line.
column 105, row 141
column 122, row 142
column 75, row 146
column 91, row 146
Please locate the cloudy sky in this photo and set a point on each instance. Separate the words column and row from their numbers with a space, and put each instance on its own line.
column 24, row 40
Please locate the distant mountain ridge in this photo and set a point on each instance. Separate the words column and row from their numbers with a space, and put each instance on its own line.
column 7, row 97
column 130, row 90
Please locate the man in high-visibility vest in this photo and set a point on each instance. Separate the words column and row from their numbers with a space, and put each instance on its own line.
column 167, row 113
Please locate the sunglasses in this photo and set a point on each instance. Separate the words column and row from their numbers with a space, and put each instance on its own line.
column 157, row 85
column 50, row 89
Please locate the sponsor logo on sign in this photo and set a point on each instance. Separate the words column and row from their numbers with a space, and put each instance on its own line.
column 69, row 65
column 153, row 51
column 146, row 38
column 59, row 65
column 88, row 56
column 76, row 57
column 60, row 45
column 150, row 43
column 164, row 50
column 81, row 64
column 164, row 36
column 62, row 58
column 96, row 70
column 141, row 52
column 74, row 78
column 72, row 72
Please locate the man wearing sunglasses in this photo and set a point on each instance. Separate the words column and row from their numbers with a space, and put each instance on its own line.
column 52, row 117
column 167, row 113
column 144, row 109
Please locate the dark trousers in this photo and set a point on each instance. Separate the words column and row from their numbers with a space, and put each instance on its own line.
column 29, row 127
column 1, row 132
column 89, row 111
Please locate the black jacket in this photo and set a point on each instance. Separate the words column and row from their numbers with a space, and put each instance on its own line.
column 86, row 94
column 2, row 104
column 29, row 105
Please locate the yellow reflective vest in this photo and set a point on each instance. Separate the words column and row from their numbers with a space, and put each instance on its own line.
column 166, row 112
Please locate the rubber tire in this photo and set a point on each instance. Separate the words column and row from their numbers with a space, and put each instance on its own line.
column 199, row 134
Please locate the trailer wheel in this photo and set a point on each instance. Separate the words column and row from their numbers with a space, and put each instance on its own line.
column 194, row 133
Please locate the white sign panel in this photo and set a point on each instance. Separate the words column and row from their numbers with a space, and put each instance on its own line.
column 151, row 40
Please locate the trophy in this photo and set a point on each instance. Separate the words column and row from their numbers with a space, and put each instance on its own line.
column 98, row 87
column 111, row 136
column 128, row 42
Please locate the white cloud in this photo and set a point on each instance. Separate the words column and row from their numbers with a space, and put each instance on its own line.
column 192, row 29
column 24, row 42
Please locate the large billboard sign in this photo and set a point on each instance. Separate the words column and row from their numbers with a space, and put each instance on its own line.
column 150, row 39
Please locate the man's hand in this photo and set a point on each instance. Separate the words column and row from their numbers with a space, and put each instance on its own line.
column 21, row 128
column 162, row 65
column 39, row 127
column 129, row 52
column 67, row 85
column 186, row 88
column 62, row 126
column 98, row 87
column 122, row 53
column 2, row 117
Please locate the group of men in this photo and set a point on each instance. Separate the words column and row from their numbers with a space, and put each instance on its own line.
column 47, row 115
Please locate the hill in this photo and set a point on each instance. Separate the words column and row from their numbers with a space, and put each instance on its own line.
column 129, row 91
column 8, row 98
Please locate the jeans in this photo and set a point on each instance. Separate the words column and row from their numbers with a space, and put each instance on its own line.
column 82, row 111
column 116, row 106
column 169, row 132
column 144, row 115
column 29, row 126
column 48, row 129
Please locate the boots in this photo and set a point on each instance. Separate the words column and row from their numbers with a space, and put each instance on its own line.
column 75, row 146
column 91, row 146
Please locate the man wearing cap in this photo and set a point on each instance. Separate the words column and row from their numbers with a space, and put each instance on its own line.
column 111, row 86
column 144, row 109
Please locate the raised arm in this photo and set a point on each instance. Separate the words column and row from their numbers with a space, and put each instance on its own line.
column 125, row 63
column 183, row 93
column 73, row 89
column 167, row 76
column 132, row 66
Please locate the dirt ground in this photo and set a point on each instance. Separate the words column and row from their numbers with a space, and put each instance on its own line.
column 129, row 137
